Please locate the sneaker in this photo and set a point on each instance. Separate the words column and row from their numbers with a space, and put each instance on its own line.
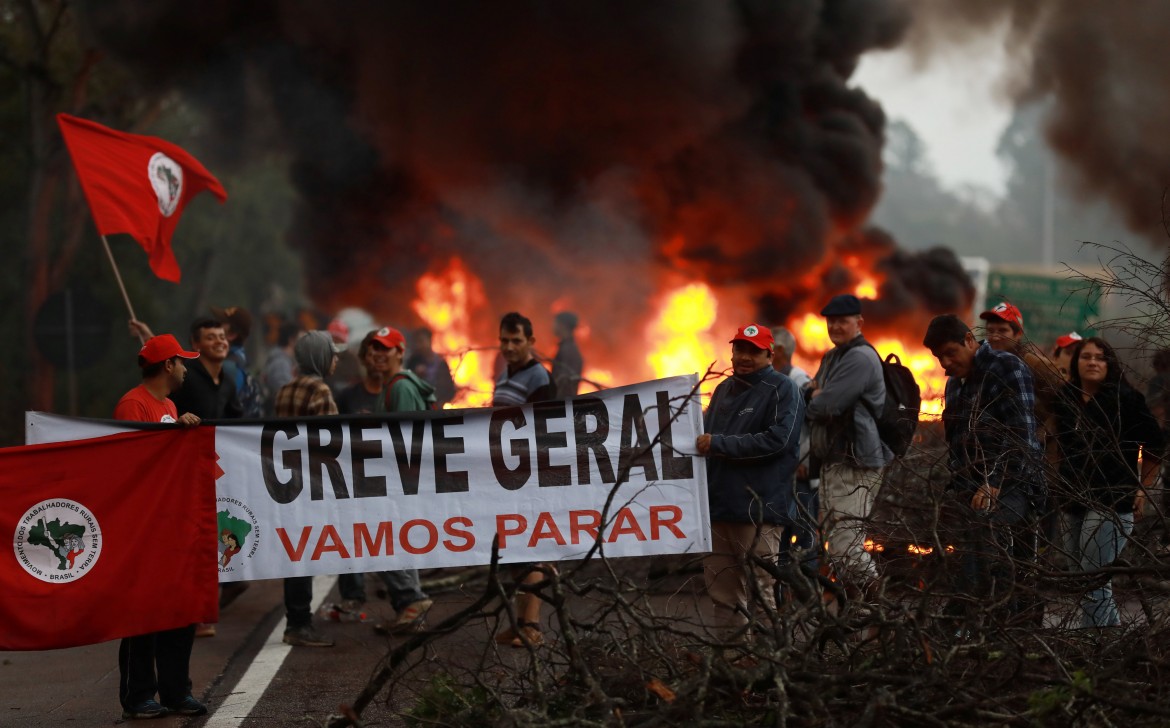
column 188, row 706
column 350, row 610
column 306, row 636
column 144, row 711
column 204, row 630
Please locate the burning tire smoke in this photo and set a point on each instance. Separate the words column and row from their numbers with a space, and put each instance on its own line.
column 590, row 156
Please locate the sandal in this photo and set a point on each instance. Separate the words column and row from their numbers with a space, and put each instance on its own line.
column 529, row 635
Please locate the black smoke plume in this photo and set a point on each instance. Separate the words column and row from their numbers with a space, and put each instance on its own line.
column 588, row 153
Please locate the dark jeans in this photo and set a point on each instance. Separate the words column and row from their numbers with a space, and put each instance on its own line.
column 402, row 587
column 170, row 652
column 298, row 601
column 997, row 553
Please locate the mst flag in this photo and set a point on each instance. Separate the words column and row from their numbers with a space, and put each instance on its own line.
column 137, row 185
column 111, row 537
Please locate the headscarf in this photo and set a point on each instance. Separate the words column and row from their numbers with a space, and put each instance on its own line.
column 314, row 353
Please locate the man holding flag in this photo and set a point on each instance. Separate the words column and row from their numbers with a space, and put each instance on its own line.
column 161, row 360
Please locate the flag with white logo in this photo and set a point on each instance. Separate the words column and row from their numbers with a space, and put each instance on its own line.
column 110, row 537
column 136, row 185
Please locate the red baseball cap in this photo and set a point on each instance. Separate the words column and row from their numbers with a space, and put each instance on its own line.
column 1004, row 312
column 758, row 336
column 339, row 330
column 390, row 337
column 163, row 347
column 1068, row 339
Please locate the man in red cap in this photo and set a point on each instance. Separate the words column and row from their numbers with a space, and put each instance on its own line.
column 158, row 662
column 1062, row 352
column 387, row 387
column 752, row 442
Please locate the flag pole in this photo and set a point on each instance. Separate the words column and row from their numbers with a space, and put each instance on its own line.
column 121, row 285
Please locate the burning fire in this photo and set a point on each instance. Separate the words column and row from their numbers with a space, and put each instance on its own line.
column 445, row 302
column 680, row 336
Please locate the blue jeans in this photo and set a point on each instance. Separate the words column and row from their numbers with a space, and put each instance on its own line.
column 403, row 587
column 1095, row 539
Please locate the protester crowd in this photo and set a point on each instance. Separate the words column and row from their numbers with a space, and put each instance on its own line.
column 1050, row 457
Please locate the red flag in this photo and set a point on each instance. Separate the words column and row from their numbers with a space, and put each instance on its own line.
column 112, row 537
column 137, row 185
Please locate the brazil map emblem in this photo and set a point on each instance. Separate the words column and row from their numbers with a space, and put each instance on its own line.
column 57, row 540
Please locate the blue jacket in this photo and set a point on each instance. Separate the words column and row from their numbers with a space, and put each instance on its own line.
column 754, row 422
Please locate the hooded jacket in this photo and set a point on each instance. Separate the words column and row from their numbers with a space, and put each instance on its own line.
column 754, row 422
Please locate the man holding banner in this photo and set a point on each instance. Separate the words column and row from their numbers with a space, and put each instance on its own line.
column 752, row 443
column 163, row 371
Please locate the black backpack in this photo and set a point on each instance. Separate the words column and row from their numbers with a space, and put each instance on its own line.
column 899, row 416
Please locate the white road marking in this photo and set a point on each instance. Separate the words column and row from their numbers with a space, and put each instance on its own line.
column 238, row 705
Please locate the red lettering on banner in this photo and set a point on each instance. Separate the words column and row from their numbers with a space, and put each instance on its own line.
column 576, row 527
column 299, row 551
column 658, row 520
column 625, row 523
column 361, row 539
column 432, row 536
column 467, row 536
column 329, row 542
column 504, row 531
column 546, row 527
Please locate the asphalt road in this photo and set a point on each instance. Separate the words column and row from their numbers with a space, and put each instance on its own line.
column 286, row 686
column 249, row 679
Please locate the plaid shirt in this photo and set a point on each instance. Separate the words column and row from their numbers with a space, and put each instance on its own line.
column 305, row 397
column 990, row 425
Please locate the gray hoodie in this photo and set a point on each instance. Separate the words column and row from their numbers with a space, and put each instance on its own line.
column 314, row 354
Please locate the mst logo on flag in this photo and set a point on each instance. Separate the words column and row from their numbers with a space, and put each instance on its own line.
column 111, row 537
column 166, row 176
column 58, row 540
column 136, row 185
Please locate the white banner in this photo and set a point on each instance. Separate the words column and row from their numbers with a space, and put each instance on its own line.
column 330, row 495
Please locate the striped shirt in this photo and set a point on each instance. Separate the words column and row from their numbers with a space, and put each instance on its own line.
column 530, row 383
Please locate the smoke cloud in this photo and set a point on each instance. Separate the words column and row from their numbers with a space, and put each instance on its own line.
column 1100, row 69
column 589, row 154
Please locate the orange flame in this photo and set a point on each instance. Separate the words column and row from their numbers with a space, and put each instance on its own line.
column 445, row 302
column 681, row 337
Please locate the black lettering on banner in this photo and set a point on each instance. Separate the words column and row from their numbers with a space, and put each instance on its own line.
column 361, row 449
column 674, row 467
column 592, row 440
column 447, row 481
column 546, row 473
column 510, row 479
column 408, row 466
column 636, row 454
column 325, row 456
column 281, row 492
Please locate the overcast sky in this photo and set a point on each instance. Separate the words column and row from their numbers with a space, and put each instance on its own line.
column 953, row 102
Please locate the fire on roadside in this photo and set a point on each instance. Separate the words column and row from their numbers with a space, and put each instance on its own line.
column 681, row 338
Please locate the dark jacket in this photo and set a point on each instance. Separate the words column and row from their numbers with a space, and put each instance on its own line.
column 754, row 422
column 1099, row 442
column 202, row 397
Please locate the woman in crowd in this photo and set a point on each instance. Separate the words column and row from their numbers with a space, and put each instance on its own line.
column 1102, row 425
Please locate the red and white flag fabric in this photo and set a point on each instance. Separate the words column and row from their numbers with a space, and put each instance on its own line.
column 111, row 537
column 136, row 185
